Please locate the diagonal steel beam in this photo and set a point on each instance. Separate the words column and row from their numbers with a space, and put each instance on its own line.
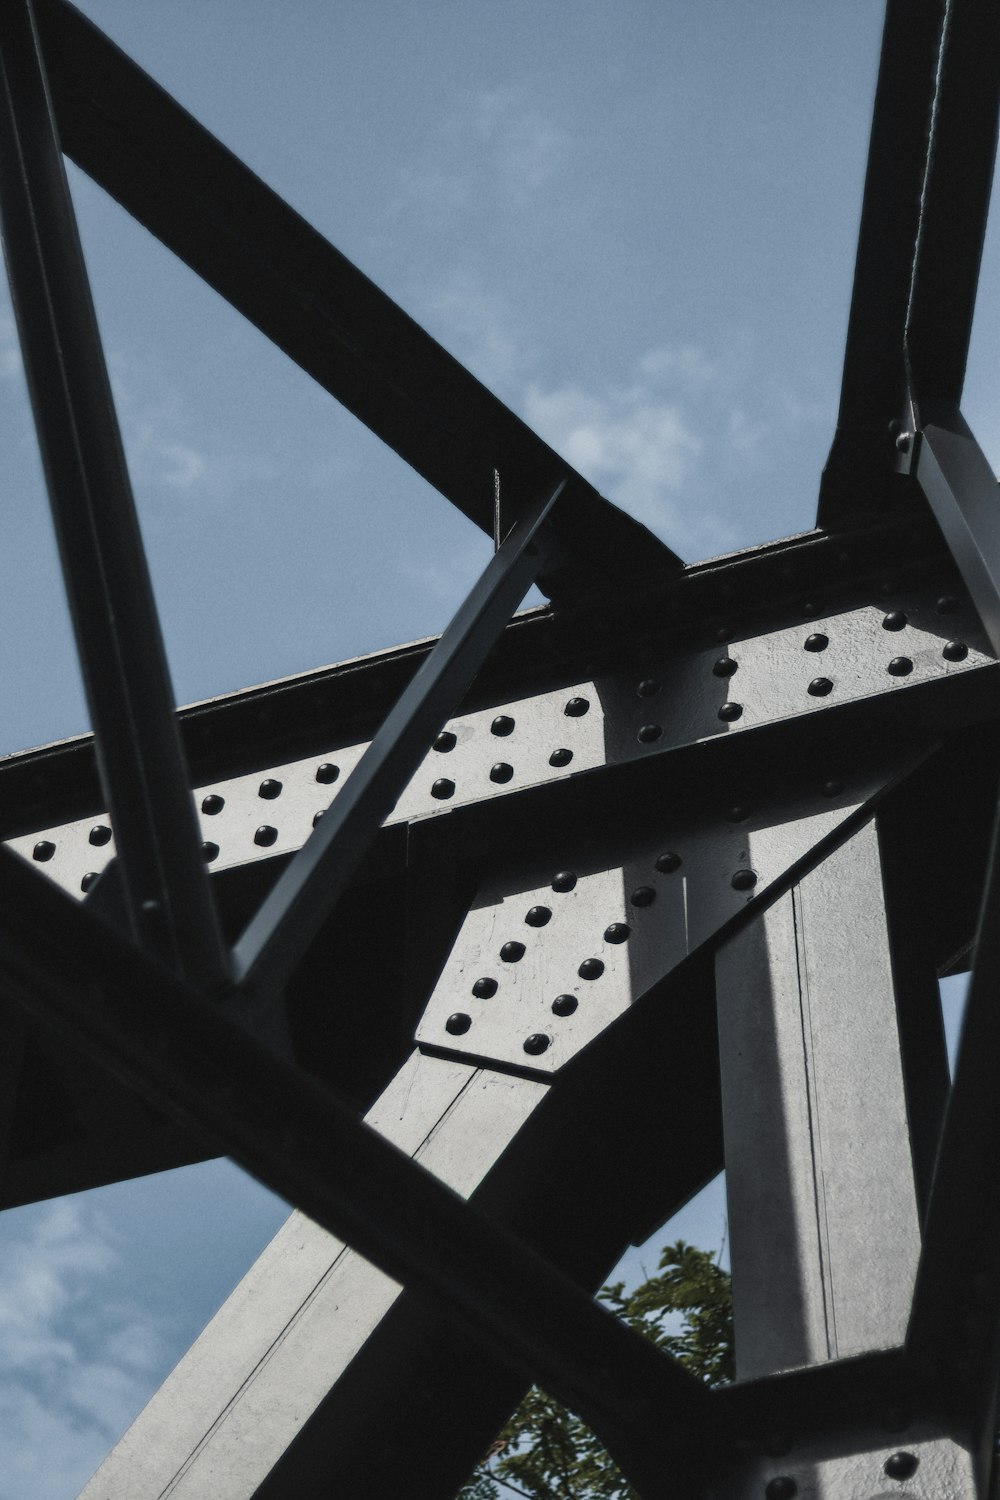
column 111, row 601
column 307, row 891
column 133, row 139
column 301, row 1140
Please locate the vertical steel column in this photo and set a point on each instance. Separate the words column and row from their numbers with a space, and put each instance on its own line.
column 823, row 1213
column 107, row 582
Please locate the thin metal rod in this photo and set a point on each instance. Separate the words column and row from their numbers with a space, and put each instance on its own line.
column 955, row 200
column 107, row 582
column 243, row 240
column 290, row 916
column 961, row 488
column 298, row 1137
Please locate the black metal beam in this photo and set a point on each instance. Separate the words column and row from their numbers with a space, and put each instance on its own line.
column 268, row 952
column 132, row 138
column 955, row 201
column 873, row 389
column 111, row 600
column 302, row 1141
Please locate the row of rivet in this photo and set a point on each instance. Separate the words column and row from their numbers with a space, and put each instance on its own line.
column 590, row 969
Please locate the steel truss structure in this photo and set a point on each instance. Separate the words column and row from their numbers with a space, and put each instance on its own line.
column 489, row 951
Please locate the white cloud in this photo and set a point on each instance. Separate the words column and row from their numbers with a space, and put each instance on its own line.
column 480, row 329
column 77, row 1359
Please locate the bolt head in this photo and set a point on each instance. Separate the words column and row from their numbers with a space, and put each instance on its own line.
column 901, row 1465
column 816, row 642
column 832, row 788
column 210, row 805
column 536, row 1043
column 502, row 725
column 443, row 789
column 955, row 651
column 564, row 881
column 458, row 1024
column 537, row 916
column 744, row 880
column 724, row 667
column 591, row 968
column 903, row 441
column 781, row 1487
column 618, row 932
column 265, row 836
column 564, row 1005
column 445, row 741
column 327, row 773
column 894, row 620
column 269, row 789
column 648, row 687
column 100, row 834
column 210, row 851
column 501, row 772
column 485, row 989
column 89, row 881
column 644, row 896
column 730, row 711
column 820, row 687
column 649, row 734
column 577, row 707
column 512, row 953
column 560, row 757
column 738, row 814
column 900, row 666
column 43, row 851
column 668, row 863
column 947, row 604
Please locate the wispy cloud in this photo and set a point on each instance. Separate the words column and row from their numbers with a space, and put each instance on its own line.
column 76, row 1356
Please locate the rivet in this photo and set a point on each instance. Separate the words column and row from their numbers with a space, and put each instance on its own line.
column 730, row 711
column 819, row 687
column 560, row 757
column 317, row 816
column 210, row 850
column 947, row 604
column 723, row 634
column 781, row 1487
column 809, row 608
column 501, row 772
column 724, row 667
column 738, row 814
column 744, row 880
column 644, row 896
column 894, row 620
column 101, row 833
column 511, row 953
column 901, row 1465
column 668, row 863
column 89, row 880
column 535, row 1043
column 564, row 1005
column 150, row 906
column 327, row 772
column 618, row 932
column 564, row 881
column 648, row 733
column 577, row 707
column 443, row 789
column 265, row 835
column 903, row 440
column 445, row 741
column 458, row 1024
column 537, row 916
column 648, row 687
column 832, row 788
column 43, row 850
column 211, row 804
column 955, row 651
column 503, row 724
column 485, row 989
column 817, row 642
column 269, row 789
column 591, row 968
column 900, row 666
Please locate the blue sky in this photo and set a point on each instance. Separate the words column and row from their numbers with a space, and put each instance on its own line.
column 636, row 223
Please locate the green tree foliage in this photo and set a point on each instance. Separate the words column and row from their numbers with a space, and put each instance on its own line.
column 548, row 1453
